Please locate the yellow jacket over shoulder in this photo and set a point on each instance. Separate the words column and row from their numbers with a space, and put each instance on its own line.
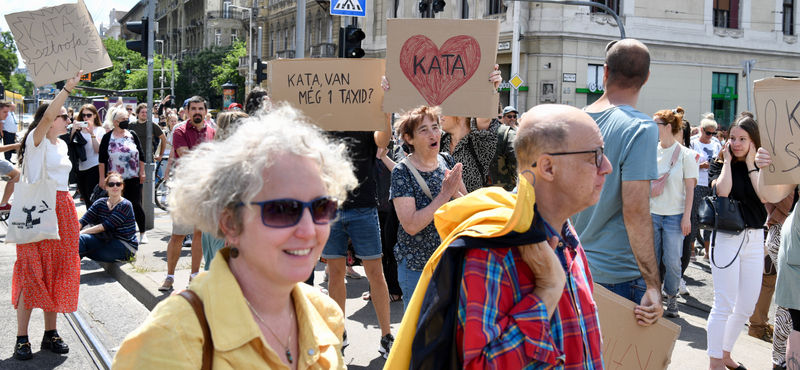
column 171, row 337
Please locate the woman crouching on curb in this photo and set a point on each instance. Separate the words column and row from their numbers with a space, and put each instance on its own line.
column 270, row 191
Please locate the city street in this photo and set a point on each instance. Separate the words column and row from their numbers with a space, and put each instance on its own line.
column 115, row 299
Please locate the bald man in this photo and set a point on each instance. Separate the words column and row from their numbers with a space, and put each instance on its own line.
column 617, row 233
column 522, row 261
column 560, row 152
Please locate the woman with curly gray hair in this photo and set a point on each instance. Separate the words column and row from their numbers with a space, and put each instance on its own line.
column 270, row 191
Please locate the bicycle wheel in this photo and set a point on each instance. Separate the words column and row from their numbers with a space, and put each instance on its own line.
column 162, row 192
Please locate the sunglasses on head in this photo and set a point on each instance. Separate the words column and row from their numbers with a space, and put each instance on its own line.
column 514, row 116
column 114, row 184
column 288, row 212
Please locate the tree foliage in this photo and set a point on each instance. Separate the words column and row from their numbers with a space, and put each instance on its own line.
column 227, row 72
column 8, row 56
column 197, row 73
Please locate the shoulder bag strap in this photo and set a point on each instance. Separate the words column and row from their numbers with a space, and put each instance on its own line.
column 483, row 173
column 675, row 155
column 714, row 233
column 208, row 345
column 417, row 176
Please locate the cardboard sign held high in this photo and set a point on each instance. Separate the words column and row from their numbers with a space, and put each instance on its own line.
column 57, row 41
column 335, row 94
column 778, row 111
column 626, row 345
column 444, row 62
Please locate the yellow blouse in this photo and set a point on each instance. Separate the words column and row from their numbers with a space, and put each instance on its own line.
column 171, row 337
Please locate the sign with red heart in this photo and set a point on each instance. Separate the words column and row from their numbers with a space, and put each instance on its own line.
column 438, row 72
column 442, row 62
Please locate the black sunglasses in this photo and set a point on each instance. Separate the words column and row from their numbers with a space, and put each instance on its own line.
column 510, row 116
column 288, row 212
column 115, row 184
column 65, row 117
column 598, row 155
column 87, row 114
column 710, row 133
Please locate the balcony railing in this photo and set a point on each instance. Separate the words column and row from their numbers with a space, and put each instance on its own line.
column 285, row 54
column 323, row 50
column 230, row 14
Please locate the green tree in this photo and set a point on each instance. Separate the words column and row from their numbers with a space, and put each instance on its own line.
column 19, row 83
column 115, row 78
column 196, row 74
column 227, row 71
column 8, row 56
column 138, row 79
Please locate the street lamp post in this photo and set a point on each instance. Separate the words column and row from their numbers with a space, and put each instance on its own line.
column 249, row 45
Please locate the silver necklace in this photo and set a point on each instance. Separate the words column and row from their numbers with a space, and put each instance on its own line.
column 291, row 317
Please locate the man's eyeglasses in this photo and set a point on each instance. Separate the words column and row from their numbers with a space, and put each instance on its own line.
column 710, row 133
column 598, row 155
column 288, row 212
column 514, row 116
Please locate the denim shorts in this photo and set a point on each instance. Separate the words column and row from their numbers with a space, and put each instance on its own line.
column 359, row 225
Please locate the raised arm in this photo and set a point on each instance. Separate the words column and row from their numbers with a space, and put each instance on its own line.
column 54, row 109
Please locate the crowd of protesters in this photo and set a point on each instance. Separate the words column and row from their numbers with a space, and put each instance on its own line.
column 490, row 230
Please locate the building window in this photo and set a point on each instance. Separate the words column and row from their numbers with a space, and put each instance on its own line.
column 294, row 37
column 788, row 17
column 234, row 36
column 226, row 9
column 594, row 83
column 726, row 13
column 495, row 7
column 464, row 9
column 272, row 43
column 218, row 37
column 613, row 4
column 724, row 97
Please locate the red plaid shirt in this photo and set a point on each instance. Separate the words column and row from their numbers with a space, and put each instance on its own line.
column 507, row 324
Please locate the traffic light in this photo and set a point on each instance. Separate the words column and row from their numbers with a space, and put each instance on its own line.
column 140, row 28
column 261, row 71
column 350, row 42
column 127, row 68
column 438, row 6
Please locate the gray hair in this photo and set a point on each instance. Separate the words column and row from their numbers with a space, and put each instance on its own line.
column 217, row 176
column 534, row 139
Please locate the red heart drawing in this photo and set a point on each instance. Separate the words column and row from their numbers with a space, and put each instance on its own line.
column 439, row 72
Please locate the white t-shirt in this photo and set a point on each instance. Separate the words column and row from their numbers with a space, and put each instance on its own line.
column 58, row 164
column 708, row 151
column 92, row 158
column 672, row 199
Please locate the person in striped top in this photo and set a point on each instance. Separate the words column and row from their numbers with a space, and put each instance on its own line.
column 108, row 229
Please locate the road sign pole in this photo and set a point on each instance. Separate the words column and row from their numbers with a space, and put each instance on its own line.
column 147, row 203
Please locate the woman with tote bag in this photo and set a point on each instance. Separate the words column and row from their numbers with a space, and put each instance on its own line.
column 47, row 272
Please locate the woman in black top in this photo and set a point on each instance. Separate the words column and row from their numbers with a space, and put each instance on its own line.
column 734, row 175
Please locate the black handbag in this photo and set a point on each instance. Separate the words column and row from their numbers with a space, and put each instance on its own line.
column 97, row 193
column 720, row 213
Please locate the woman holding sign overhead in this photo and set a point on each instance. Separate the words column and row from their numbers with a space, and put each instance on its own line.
column 737, row 260
column 47, row 272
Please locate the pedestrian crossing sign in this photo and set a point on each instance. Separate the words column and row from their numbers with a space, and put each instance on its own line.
column 353, row 8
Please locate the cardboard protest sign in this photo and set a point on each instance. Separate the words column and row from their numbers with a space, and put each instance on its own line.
column 778, row 111
column 336, row 94
column 444, row 62
column 626, row 345
column 57, row 41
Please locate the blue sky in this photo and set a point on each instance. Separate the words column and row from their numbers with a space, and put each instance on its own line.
column 99, row 9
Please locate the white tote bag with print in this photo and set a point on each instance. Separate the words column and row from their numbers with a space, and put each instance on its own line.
column 33, row 216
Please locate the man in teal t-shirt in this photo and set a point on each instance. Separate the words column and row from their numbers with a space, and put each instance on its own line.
column 617, row 232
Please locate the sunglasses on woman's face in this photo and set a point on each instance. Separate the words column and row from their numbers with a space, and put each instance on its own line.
column 88, row 114
column 65, row 117
column 114, row 184
column 288, row 212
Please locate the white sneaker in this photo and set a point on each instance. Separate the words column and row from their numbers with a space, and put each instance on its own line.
column 683, row 289
column 143, row 238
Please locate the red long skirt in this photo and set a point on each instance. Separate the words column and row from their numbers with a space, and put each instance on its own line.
column 48, row 272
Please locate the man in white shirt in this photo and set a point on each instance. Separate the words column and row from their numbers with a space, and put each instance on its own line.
column 10, row 129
